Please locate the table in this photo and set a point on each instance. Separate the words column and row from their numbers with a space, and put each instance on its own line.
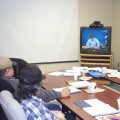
column 106, row 80
column 113, row 79
column 108, row 96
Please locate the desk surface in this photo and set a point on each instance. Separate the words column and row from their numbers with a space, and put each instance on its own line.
column 113, row 79
column 108, row 96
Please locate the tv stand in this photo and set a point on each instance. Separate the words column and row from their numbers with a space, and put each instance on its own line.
column 93, row 60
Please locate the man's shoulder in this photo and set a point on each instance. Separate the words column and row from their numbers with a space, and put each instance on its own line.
column 96, row 39
column 5, row 85
column 2, row 81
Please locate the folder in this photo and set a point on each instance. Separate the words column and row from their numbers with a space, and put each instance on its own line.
column 96, row 74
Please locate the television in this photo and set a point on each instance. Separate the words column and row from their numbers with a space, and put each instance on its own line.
column 95, row 40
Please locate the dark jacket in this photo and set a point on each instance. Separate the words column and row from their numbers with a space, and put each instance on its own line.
column 4, row 85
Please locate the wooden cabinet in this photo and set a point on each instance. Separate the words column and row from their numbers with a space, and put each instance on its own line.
column 92, row 60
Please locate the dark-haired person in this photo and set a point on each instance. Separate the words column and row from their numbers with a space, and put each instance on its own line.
column 93, row 42
column 28, row 91
column 7, row 72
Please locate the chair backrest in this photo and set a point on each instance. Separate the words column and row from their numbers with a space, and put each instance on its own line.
column 20, row 64
column 13, row 110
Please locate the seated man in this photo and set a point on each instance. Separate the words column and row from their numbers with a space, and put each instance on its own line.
column 93, row 42
column 28, row 91
column 7, row 72
column 5, row 68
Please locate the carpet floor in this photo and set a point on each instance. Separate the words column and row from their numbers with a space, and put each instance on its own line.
column 115, row 87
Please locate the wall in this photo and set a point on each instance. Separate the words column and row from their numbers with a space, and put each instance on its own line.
column 116, row 32
column 88, row 12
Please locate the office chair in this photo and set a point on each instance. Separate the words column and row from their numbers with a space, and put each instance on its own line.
column 12, row 109
column 20, row 64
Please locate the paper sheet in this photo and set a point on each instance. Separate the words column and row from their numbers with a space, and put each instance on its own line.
column 101, row 110
column 56, row 73
column 72, row 89
column 80, row 84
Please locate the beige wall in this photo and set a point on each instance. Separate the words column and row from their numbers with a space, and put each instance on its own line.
column 116, row 32
column 88, row 12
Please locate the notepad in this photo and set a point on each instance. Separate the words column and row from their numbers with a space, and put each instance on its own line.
column 72, row 89
column 80, row 84
column 57, row 73
column 101, row 110
column 70, row 74
column 89, row 103
column 95, row 107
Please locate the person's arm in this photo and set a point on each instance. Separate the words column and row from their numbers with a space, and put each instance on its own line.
column 88, row 43
column 47, row 95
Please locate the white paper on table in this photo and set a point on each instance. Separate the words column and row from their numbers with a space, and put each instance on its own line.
column 80, row 84
column 72, row 89
column 109, row 75
column 111, row 71
column 72, row 71
column 56, row 73
column 95, row 69
column 117, row 74
column 94, row 102
column 66, row 74
column 78, row 68
column 104, row 109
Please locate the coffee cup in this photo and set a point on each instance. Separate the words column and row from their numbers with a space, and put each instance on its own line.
column 83, row 72
column 75, row 76
column 104, row 70
column 92, row 87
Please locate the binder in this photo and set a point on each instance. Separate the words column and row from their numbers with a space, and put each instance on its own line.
column 96, row 74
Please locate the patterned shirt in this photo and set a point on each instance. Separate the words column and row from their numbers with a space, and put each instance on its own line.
column 35, row 110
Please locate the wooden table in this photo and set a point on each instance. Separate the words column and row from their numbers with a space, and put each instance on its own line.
column 108, row 96
column 113, row 79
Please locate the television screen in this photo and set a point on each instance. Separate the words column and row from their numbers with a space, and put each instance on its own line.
column 95, row 40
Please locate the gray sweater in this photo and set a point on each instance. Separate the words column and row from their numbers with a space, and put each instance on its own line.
column 14, row 82
column 48, row 96
column 45, row 95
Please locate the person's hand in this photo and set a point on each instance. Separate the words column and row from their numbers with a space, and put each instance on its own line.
column 92, row 46
column 59, row 115
column 96, row 47
column 65, row 92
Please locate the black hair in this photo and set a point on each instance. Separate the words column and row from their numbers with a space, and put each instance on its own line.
column 25, row 91
column 29, row 77
column 91, row 36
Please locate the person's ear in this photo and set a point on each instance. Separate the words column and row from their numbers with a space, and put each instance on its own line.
column 38, row 92
column 7, row 71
